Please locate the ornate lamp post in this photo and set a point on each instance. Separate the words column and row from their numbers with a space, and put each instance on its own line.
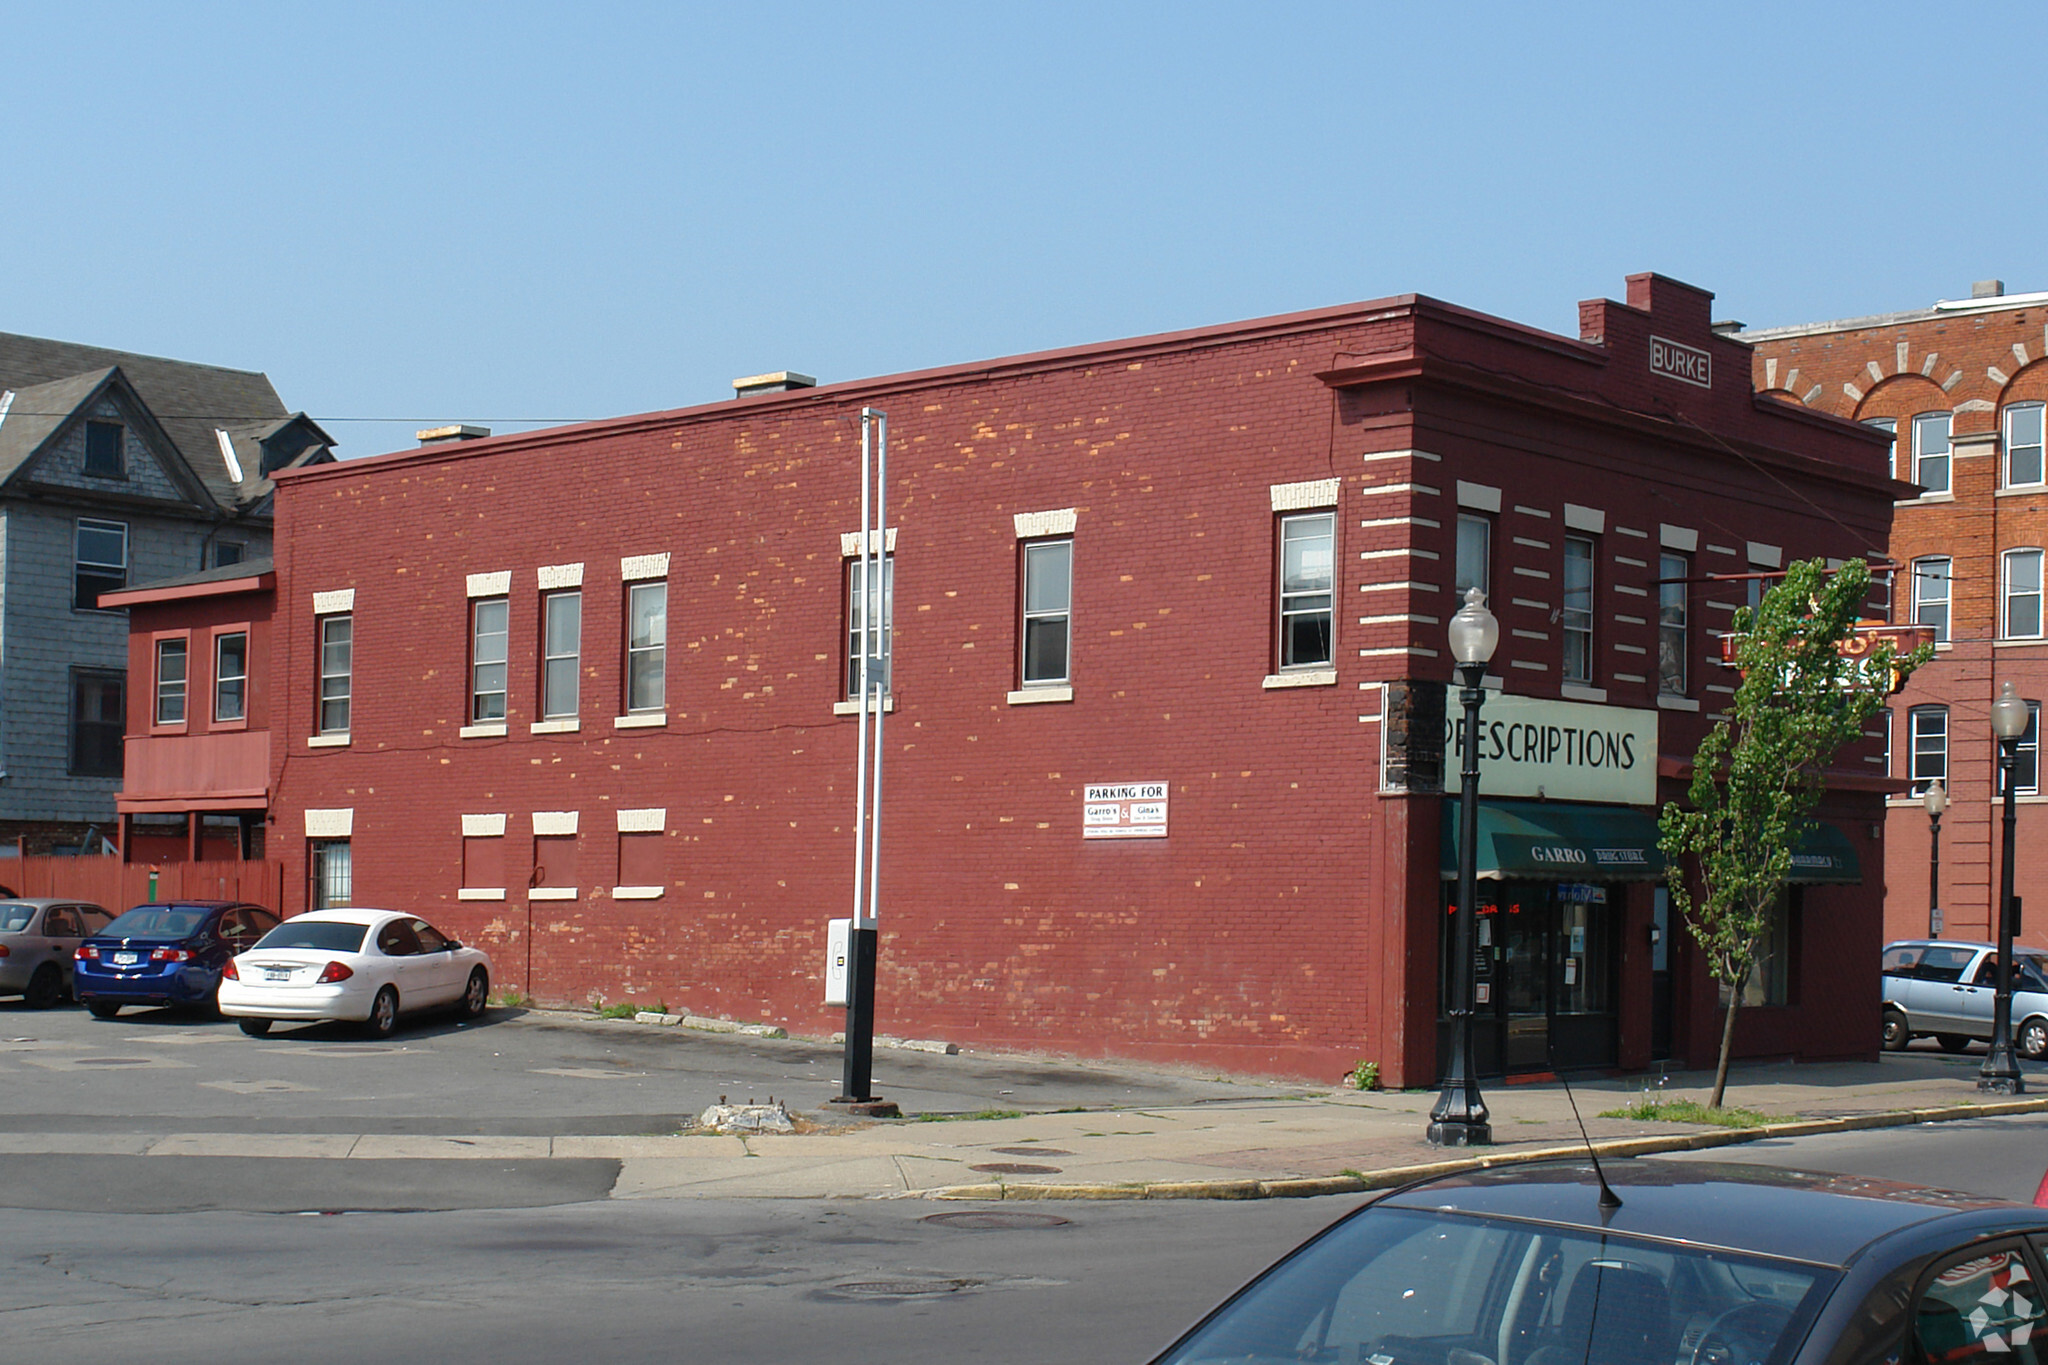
column 1459, row 1117
column 1936, row 801
column 2000, row 1073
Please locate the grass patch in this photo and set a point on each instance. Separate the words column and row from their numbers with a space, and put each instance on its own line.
column 513, row 1000
column 1691, row 1111
column 983, row 1114
column 625, row 1009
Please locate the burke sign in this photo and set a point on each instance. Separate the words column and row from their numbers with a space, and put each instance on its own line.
column 1676, row 361
column 1563, row 750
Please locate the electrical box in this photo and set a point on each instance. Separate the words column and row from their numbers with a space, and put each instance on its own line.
column 838, row 950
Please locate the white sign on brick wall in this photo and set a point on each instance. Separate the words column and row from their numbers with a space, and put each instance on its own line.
column 1124, row 810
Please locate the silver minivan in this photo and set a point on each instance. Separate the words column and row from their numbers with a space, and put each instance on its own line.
column 37, row 938
column 1946, row 987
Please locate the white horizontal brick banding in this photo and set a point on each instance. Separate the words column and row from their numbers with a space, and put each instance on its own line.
column 854, row 544
column 1297, row 497
column 1060, row 521
column 1422, row 488
column 647, row 820
column 490, row 584
column 556, row 576
column 1532, row 544
column 1714, row 549
column 554, row 822
column 1532, row 511
column 1632, row 563
column 334, row 602
column 333, row 823
column 633, row 568
column 482, row 826
column 1631, row 531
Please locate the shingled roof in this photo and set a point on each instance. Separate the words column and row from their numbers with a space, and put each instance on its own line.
column 190, row 401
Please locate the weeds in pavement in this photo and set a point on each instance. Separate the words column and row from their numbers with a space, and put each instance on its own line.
column 1690, row 1111
column 514, row 1000
column 983, row 1114
column 625, row 1009
column 1364, row 1076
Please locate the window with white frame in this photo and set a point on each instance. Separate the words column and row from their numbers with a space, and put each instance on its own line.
column 231, row 675
column 870, row 624
column 490, row 630
column 561, row 653
column 1890, row 427
column 1307, row 549
column 100, row 561
column 1927, row 734
column 646, row 648
column 1887, row 715
column 1931, row 594
column 1475, row 555
column 2026, row 757
column 1577, row 617
column 1048, row 612
column 1931, row 451
column 1672, row 639
column 2022, row 594
column 337, row 656
column 170, row 681
column 2023, row 445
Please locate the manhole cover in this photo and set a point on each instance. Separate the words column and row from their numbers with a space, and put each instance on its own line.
column 903, row 1289
column 112, row 1061
column 995, row 1220
column 1030, row 1151
column 1014, row 1168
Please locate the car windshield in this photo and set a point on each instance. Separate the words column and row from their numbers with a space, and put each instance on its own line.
column 1402, row 1287
column 327, row 936
column 156, row 921
column 14, row 917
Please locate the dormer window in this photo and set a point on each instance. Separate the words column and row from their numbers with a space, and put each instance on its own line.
column 103, row 458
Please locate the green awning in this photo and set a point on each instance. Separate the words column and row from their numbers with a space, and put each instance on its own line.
column 1545, row 841
column 1824, row 854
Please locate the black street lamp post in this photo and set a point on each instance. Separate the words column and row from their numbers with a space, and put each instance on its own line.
column 1936, row 801
column 1459, row 1117
column 2000, row 1074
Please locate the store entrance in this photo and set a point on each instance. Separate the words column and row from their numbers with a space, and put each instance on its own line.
column 1544, row 965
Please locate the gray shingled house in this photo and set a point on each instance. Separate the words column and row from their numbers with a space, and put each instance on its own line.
column 115, row 469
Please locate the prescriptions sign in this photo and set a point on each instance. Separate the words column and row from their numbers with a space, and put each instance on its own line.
column 1566, row 751
column 1124, row 810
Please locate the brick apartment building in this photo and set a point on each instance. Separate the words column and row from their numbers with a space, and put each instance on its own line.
column 1959, row 387
column 582, row 694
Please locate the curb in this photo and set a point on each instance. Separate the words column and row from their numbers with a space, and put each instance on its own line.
column 1309, row 1187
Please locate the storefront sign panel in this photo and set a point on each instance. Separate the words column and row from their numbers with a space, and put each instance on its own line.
column 1560, row 750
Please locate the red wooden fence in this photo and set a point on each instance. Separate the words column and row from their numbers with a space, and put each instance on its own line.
column 117, row 885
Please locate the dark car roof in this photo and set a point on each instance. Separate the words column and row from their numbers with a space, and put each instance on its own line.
column 1802, row 1215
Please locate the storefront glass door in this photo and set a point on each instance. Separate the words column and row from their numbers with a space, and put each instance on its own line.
column 1544, row 970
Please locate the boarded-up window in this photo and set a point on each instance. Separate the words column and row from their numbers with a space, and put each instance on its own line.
column 483, row 862
column 640, row 859
column 554, row 861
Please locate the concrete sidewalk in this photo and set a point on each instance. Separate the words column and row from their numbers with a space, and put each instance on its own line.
column 1289, row 1141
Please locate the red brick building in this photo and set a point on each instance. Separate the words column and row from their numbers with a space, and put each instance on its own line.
column 1960, row 387
column 582, row 694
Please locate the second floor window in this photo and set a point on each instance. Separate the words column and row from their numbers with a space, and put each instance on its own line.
column 646, row 647
column 1306, row 550
column 170, row 682
column 2026, row 756
column 1048, row 611
column 231, row 676
column 98, row 717
column 337, row 651
column 2022, row 594
column 870, row 624
column 1890, row 427
column 1673, row 570
column 2023, row 445
column 490, row 629
column 1475, row 552
column 1930, row 451
column 1928, row 736
column 561, row 653
column 101, row 562
column 1930, row 594
column 1577, row 617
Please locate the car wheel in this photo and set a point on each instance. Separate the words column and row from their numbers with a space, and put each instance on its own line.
column 45, row 988
column 384, row 1013
column 1953, row 1042
column 2033, row 1039
column 476, row 995
column 1897, row 1032
column 255, row 1028
column 102, row 1009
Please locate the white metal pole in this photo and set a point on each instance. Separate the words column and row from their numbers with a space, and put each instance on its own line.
column 878, row 608
column 860, row 769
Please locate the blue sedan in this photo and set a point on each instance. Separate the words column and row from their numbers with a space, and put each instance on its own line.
column 165, row 955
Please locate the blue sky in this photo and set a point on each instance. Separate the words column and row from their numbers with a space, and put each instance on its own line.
column 513, row 212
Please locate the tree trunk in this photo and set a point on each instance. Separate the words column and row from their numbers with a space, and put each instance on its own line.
column 1727, row 1041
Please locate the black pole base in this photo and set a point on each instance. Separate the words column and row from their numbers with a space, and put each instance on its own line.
column 856, row 1083
column 2001, row 1075
column 1461, row 1133
column 874, row 1107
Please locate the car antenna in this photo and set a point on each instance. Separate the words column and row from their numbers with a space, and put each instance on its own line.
column 1609, row 1200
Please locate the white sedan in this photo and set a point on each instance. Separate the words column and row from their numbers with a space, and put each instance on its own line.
column 356, row 964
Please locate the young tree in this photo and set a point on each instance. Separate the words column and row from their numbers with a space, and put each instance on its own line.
column 1758, row 774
